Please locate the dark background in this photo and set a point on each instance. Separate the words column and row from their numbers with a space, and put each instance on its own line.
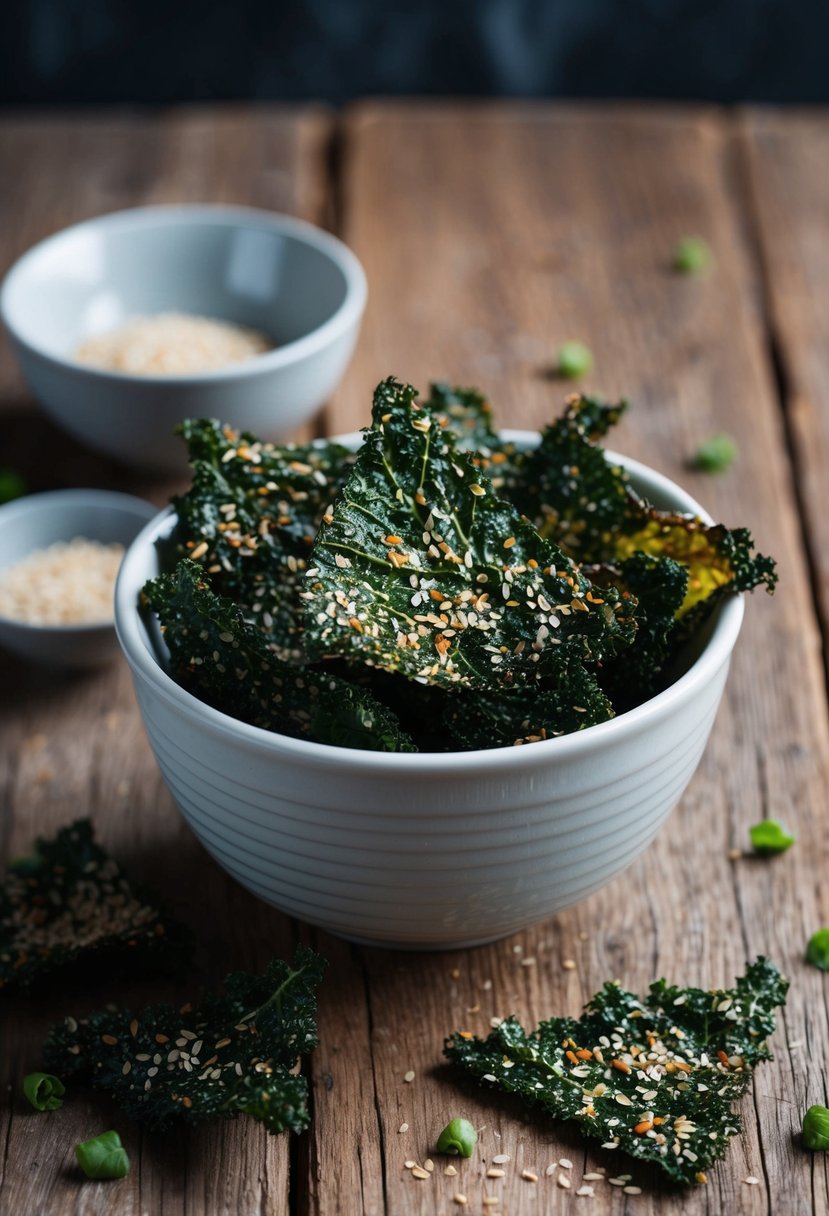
column 87, row 51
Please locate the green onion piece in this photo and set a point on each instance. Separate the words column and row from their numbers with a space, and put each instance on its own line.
column 769, row 837
column 817, row 952
column 44, row 1091
column 692, row 255
column 103, row 1157
column 12, row 485
column 816, row 1127
column 458, row 1138
column 715, row 455
column 574, row 359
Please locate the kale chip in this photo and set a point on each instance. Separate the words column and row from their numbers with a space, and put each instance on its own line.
column 421, row 568
column 654, row 1077
column 219, row 656
column 70, row 901
column 235, row 1053
column 586, row 504
column 250, row 518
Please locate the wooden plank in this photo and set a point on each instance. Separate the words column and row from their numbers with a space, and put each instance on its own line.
column 787, row 161
column 490, row 234
column 72, row 746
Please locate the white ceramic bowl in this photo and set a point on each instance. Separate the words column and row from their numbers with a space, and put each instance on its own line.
column 426, row 850
column 39, row 520
column 271, row 272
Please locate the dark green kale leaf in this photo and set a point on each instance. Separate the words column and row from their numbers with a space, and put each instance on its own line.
column 424, row 570
column 69, row 902
column 466, row 413
column 232, row 1054
column 655, row 1078
column 586, row 504
column 250, row 518
column 659, row 585
column 224, row 660
column 566, row 702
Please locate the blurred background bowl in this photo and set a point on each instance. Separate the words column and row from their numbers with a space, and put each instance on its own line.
column 300, row 286
column 431, row 850
column 40, row 520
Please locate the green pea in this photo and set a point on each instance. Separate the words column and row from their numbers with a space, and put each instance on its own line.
column 716, row 454
column 458, row 1138
column 769, row 837
column 574, row 359
column 817, row 951
column 12, row 485
column 103, row 1157
column 692, row 255
column 816, row 1128
column 44, row 1091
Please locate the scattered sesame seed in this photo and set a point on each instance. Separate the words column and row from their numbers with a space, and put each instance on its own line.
column 410, row 1164
column 529, row 1176
column 419, row 1172
column 563, row 1181
column 404, row 1127
column 569, row 964
column 585, row 1190
column 551, row 1169
column 496, row 1173
column 528, row 962
column 409, row 1076
column 594, row 1177
column 500, row 1158
column 450, row 1171
column 632, row 1190
column 751, row 1181
column 565, row 1163
column 460, row 1200
column 734, row 854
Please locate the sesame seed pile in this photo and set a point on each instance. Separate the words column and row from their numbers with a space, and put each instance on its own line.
column 171, row 344
column 67, row 583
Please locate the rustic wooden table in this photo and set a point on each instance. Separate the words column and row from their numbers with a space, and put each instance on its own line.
column 489, row 233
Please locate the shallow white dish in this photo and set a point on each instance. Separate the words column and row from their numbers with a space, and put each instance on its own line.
column 271, row 272
column 39, row 520
column 429, row 850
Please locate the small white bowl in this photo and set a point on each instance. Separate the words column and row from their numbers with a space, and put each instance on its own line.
column 296, row 283
column 39, row 520
column 425, row 851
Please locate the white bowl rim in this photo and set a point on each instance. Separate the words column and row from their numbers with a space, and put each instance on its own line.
column 458, row 764
column 103, row 500
column 348, row 313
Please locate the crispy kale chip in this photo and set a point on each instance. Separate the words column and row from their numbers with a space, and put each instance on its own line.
column 659, row 585
column 466, row 413
column 423, row 569
column 654, row 1077
column 219, row 656
column 250, row 518
column 585, row 502
column 70, row 901
column 562, row 704
column 232, row 1054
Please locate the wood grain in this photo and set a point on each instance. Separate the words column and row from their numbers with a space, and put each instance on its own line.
column 490, row 235
column 786, row 157
column 74, row 746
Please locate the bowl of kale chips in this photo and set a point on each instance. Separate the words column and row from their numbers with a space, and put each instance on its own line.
column 426, row 686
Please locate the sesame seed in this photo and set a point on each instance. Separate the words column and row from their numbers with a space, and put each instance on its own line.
column 563, row 1181
column 409, row 1076
column 585, row 1190
column 496, row 1173
column 410, row 1164
column 404, row 1127
column 751, row 1181
column 565, row 1164
column 419, row 1172
column 500, row 1159
column 460, row 1200
column 529, row 1176
column 551, row 1169
column 569, row 964
column 632, row 1190
column 450, row 1171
